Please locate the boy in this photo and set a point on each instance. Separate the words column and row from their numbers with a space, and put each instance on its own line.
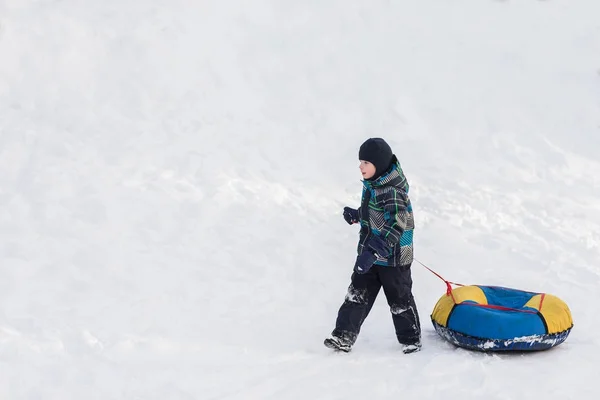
column 385, row 251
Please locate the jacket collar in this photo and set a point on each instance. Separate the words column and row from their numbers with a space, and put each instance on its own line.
column 393, row 177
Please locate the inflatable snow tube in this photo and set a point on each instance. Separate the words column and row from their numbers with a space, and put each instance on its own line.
column 490, row 318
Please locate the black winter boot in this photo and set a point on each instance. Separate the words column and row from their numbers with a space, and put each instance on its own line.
column 339, row 343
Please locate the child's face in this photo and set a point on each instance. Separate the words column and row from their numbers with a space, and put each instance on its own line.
column 367, row 169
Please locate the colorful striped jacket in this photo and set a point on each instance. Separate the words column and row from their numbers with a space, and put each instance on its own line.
column 386, row 211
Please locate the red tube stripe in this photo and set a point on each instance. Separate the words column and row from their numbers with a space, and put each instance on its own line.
column 502, row 308
column 542, row 301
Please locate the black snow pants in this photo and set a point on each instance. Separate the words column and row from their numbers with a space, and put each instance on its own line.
column 363, row 290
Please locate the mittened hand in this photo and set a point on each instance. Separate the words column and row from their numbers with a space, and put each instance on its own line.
column 351, row 215
column 364, row 262
column 379, row 246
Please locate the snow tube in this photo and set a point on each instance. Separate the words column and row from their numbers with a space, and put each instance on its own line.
column 490, row 318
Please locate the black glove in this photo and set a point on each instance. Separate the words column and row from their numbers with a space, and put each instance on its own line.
column 364, row 262
column 351, row 215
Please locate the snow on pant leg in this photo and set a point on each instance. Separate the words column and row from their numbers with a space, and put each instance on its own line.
column 359, row 300
column 397, row 286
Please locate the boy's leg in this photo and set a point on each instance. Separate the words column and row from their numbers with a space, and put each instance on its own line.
column 359, row 300
column 397, row 286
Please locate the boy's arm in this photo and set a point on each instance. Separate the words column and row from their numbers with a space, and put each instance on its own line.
column 396, row 216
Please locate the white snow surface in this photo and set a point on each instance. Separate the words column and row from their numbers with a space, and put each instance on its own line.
column 172, row 176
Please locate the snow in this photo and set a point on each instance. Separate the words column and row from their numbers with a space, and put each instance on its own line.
column 173, row 174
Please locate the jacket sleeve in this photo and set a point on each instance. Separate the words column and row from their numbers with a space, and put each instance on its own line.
column 395, row 215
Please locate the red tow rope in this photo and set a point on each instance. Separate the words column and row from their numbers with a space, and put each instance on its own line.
column 493, row 306
column 448, row 283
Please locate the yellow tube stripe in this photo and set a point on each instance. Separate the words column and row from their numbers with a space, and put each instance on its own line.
column 444, row 306
column 555, row 311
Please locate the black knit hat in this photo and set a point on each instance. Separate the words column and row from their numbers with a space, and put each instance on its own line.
column 377, row 152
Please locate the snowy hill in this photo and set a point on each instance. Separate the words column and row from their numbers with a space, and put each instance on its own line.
column 173, row 175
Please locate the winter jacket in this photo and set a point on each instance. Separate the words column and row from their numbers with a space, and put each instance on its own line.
column 386, row 211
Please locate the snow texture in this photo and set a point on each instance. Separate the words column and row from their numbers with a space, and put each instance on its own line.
column 173, row 174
